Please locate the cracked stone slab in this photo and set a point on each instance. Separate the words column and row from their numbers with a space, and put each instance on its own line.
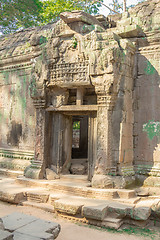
column 20, row 236
column 16, row 220
column 40, row 229
column 5, row 235
column 28, row 227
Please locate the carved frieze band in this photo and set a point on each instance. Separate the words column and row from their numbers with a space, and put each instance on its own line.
column 39, row 103
column 148, row 170
column 37, row 164
column 75, row 72
column 12, row 154
column 16, row 67
column 107, row 100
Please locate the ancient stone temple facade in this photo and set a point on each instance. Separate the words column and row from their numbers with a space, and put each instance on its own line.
column 100, row 73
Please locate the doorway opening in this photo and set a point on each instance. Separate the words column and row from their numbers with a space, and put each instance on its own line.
column 79, row 145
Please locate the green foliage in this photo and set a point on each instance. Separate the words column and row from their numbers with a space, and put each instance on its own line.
column 74, row 42
column 52, row 8
column 137, row 231
column 150, row 70
column 17, row 14
column 20, row 14
column 116, row 5
column 152, row 128
column 76, row 125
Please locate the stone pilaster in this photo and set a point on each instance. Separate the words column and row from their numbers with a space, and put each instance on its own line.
column 37, row 167
column 104, row 164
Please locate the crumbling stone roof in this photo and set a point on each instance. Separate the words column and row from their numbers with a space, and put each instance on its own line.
column 147, row 14
column 19, row 42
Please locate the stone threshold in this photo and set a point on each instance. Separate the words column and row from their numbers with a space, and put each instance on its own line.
column 77, row 188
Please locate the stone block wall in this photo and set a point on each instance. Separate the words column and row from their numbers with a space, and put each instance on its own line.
column 16, row 110
column 147, row 110
column 17, row 119
column 146, row 91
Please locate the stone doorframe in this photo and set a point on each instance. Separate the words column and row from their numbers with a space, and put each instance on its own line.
column 61, row 138
column 99, row 135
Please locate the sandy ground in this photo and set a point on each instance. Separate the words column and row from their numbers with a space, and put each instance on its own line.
column 69, row 230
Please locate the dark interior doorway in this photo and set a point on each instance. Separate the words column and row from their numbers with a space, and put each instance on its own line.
column 80, row 137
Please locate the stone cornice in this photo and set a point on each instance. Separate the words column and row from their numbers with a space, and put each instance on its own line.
column 149, row 49
column 16, row 154
column 9, row 63
column 16, row 67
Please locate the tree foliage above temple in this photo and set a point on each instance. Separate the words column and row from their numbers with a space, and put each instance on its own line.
column 20, row 14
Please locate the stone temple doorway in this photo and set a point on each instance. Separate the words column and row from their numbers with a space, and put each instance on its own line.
column 70, row 146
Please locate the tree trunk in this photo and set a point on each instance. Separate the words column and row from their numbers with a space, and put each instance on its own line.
column 124, row 6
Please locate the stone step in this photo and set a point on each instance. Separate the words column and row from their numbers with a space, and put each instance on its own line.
column 125, row 193
column 12, row 196
column 37, row 196
column 92, row 208
column 75, row 178
column 44, row 206
column 133, row 200
column 15, row 193
column 112, row 222
column 56, row 196
column 78, row 189
column 10, row 173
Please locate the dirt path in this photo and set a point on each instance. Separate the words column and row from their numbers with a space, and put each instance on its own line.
column 69, row 230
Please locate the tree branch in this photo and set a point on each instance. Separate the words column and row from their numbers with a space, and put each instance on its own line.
column 105, row 6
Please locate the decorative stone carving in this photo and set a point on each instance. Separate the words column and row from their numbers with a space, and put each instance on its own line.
column 38, row 79
column 73, row 73
column 58, row 97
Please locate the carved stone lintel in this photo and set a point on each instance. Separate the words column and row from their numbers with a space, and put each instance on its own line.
column 67, row 74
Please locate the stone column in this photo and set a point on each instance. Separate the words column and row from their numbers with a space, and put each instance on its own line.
column 79, row 98
column 37, row 167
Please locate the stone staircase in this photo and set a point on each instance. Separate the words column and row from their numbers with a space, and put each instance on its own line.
column 78, row 187
column 75, row 200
